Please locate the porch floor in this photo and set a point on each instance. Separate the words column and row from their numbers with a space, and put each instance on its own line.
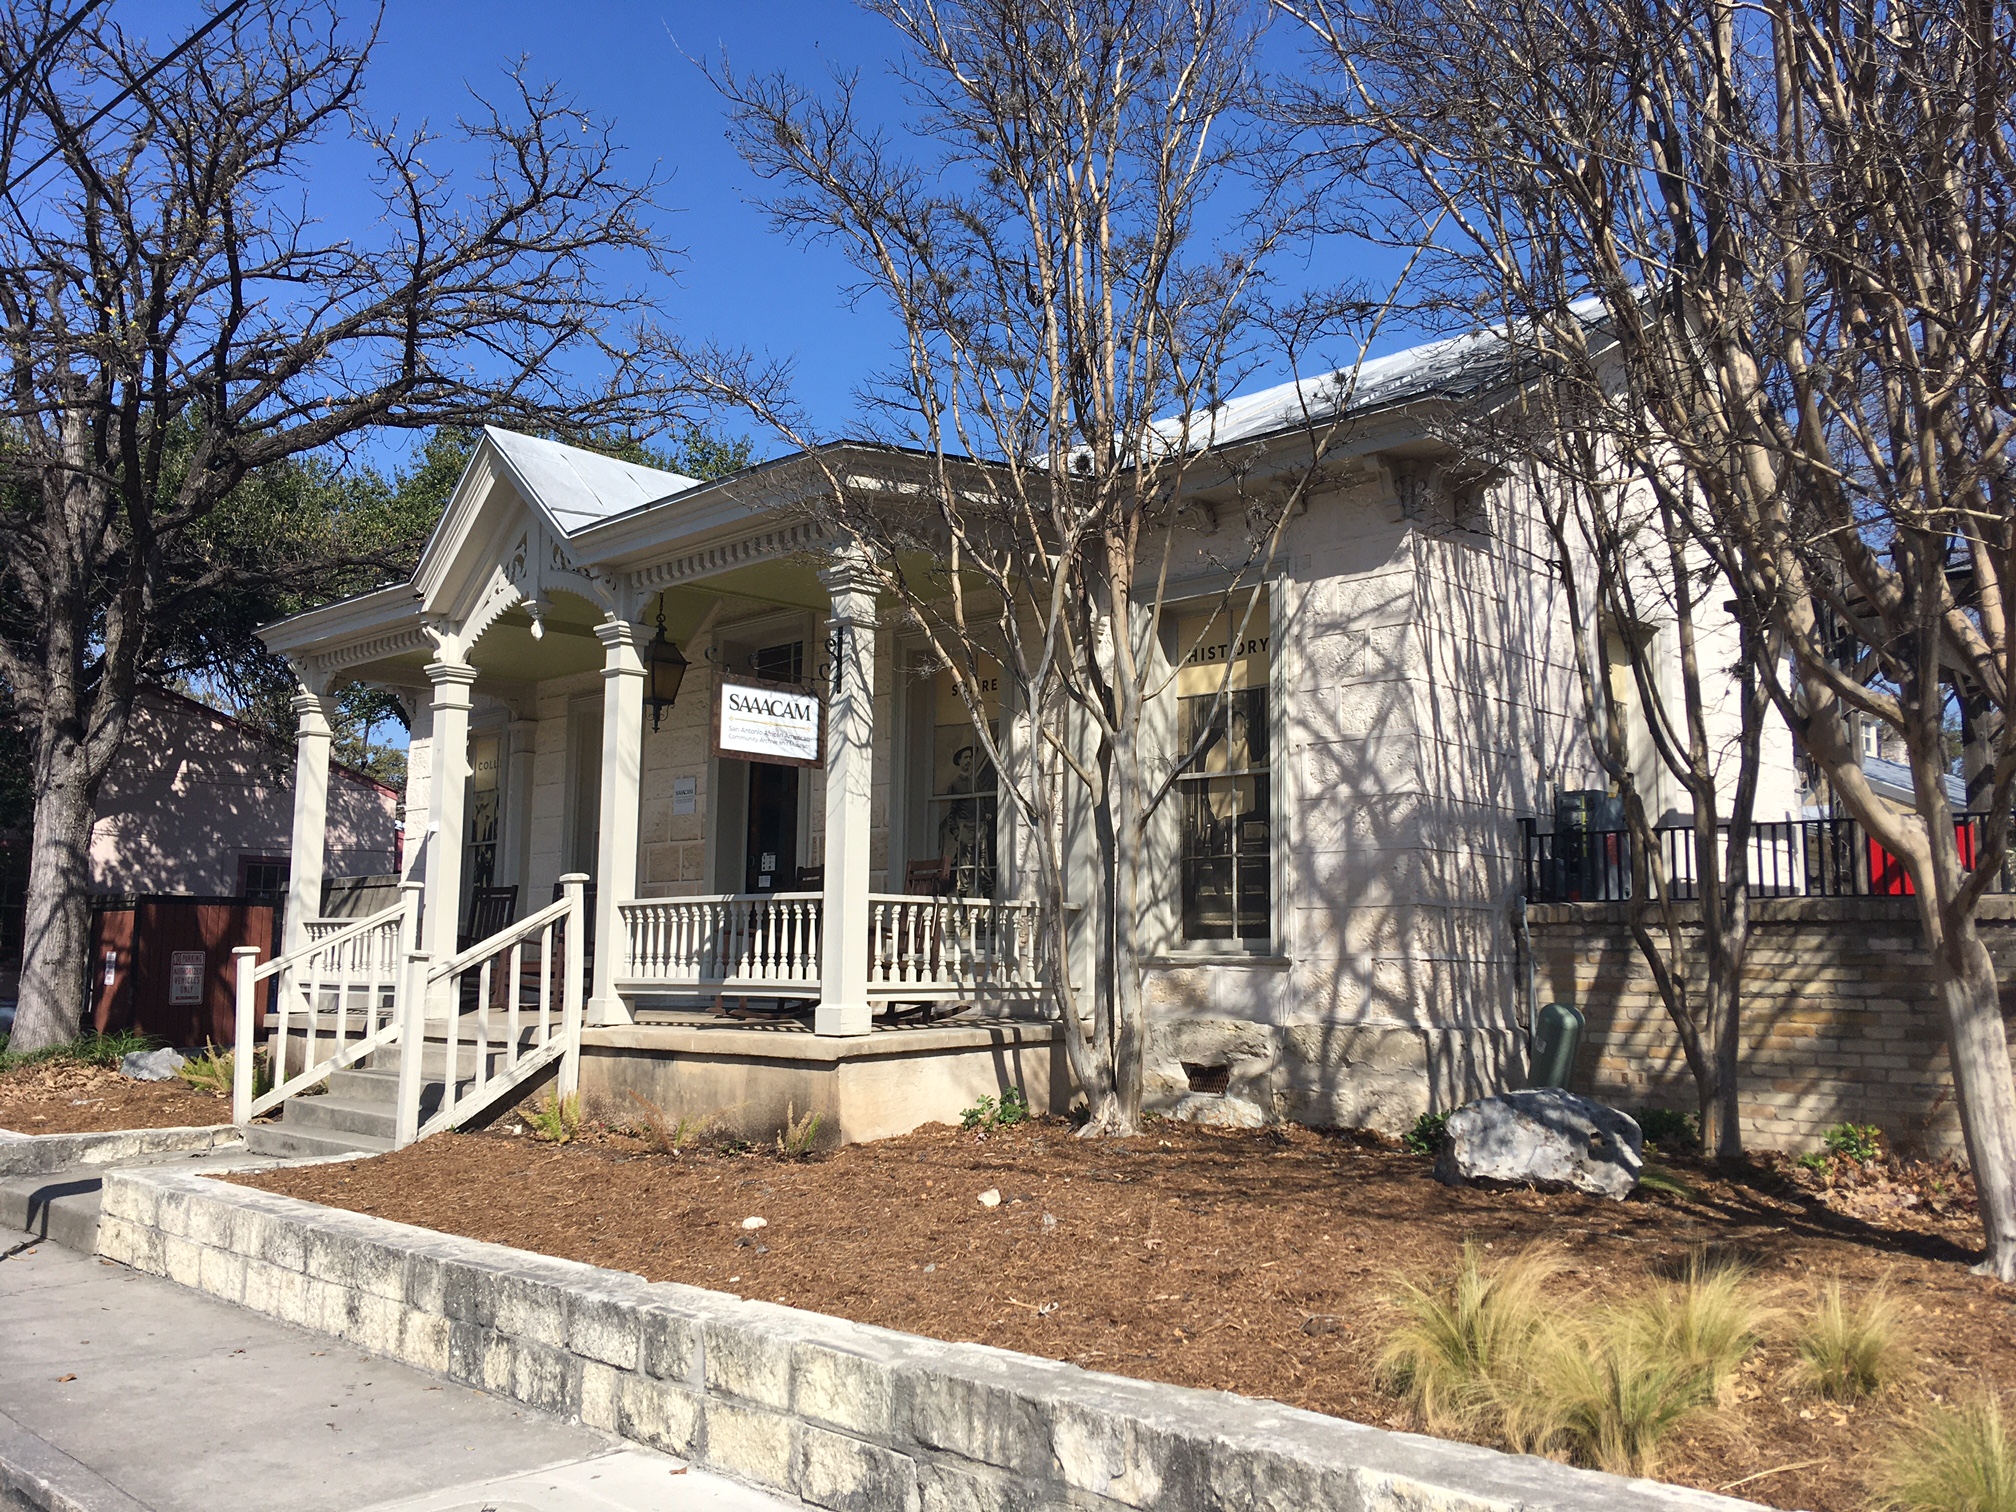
column 798, row 1020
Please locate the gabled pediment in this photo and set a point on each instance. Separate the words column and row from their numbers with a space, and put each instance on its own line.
column 505, row 536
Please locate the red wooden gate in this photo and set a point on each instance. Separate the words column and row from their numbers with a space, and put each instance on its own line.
column 161, row 964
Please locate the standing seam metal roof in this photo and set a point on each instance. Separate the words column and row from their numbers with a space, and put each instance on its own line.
column 582, row 488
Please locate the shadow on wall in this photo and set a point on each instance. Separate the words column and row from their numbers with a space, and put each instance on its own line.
column 1430, row 705
column 1840, row 1021
column 192, row 793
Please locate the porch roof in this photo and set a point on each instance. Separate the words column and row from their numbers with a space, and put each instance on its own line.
column 578, row 488
column 609, row 521
column 598, row 523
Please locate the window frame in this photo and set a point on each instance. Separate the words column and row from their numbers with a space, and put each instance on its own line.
column 1198, row 596
column 1194, row 779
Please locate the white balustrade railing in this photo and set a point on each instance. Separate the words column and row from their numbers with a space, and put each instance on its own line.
column 504, row 1009
column 342, row 988
column 512, row 1005
column 927, row 947
column 767, row 941
column 769, row 945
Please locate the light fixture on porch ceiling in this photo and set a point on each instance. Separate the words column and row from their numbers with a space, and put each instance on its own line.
column 667, row 668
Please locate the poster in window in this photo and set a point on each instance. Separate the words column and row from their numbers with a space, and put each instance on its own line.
column 1224, row 659
column 962, row 807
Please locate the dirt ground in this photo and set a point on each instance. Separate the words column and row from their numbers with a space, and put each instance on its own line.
column 62, row 1097
column 1256, row 1262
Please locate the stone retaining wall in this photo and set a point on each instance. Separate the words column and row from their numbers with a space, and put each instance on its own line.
column 841, row 1414
column 1840, row 1020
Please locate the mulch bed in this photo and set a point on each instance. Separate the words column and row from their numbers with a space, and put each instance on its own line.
column 1256, row 1262
column 63, row 1097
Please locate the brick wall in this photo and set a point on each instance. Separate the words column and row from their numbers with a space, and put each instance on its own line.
column 1840, row 1022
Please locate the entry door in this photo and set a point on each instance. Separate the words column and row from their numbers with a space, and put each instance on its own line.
column 772, row 855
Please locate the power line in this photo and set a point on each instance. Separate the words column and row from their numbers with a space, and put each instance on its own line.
column 127, row 93
column 49, row 45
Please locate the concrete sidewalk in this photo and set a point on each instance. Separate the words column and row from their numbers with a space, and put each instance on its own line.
column 125, row 1393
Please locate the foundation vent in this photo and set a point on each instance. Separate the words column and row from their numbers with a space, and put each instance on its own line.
column 1210, row 1080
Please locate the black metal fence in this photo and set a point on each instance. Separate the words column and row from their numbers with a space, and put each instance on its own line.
column 1787, row 858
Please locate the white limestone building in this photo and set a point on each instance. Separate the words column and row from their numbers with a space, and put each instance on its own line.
column 1333, row 939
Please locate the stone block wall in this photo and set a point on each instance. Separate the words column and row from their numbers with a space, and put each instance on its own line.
column 1840, row 1020
column 838, row 1414
column 1428, row 701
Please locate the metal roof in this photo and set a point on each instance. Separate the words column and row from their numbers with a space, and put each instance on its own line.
column 580, row 488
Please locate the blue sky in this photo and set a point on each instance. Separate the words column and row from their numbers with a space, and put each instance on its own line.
column 622, row 59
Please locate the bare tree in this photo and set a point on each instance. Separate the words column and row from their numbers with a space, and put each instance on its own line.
column 1796, row 220
column 174, row 319
column 1067, row 333
column 1646, row 600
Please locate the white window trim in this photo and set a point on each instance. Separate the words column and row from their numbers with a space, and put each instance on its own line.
column 1277, row 949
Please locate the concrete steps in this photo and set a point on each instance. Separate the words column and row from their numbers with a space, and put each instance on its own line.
column 359, row 1112
column 298, row 1143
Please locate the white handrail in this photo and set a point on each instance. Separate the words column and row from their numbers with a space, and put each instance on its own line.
column 550, row 1040
column 510, row 934
column 363, row 959
column 355, row 929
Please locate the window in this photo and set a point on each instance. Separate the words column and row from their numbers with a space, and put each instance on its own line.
column 962, row 807
column 785, row 664
column 1224, row 797
column 262, row 879
column 479, row 866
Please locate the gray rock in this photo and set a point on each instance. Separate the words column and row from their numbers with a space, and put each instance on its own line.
column 1218, row 1112
column 150, row 1065
column 1543, row 1137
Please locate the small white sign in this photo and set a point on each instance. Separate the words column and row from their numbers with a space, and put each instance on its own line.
column 185, row 977
column 685, row 794
column 763, row 722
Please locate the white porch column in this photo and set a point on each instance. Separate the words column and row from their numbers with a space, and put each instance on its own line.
column 312, row 737
column 622, row 777
column 850, row 733
column 449, row 750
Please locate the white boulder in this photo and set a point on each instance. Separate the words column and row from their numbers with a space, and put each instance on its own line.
column 1543, row 1137
column 1218, row 1112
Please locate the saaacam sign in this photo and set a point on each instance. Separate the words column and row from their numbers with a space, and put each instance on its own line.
column 781, row 723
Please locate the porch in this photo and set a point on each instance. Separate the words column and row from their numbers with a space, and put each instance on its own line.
column 832, row 863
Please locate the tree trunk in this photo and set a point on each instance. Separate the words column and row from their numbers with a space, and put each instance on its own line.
column 1979, row 1046
column 57, row 936
column 1129, row 804
column 1719, row 1103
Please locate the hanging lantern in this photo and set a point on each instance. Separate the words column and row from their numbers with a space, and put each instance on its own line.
column 667, row 669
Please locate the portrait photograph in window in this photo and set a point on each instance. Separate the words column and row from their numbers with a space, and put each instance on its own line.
column 963, row 806
column 484, row 808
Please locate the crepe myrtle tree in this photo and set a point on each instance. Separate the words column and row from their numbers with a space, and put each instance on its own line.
column 172, row 320
column 1656, row 670
column 1799, row 223
column 1066, row 331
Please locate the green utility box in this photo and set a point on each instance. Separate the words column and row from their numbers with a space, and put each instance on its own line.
column 1557, row 1035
